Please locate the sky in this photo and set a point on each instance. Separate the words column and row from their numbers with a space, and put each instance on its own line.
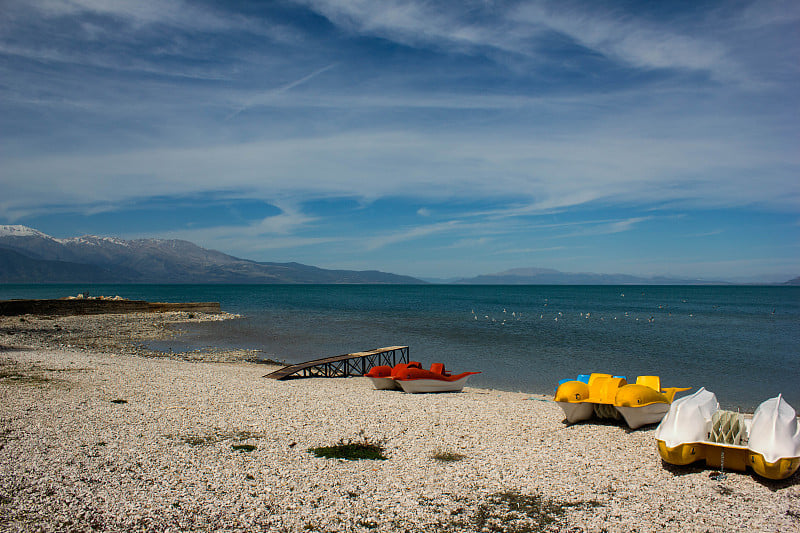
column 436, row 139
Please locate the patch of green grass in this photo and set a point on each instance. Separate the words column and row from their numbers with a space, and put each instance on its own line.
column 30, row 373
column 511, row 512
column 244, row 447
column 351, row 451
column 367, row 523
column 14, row 376
column 448, row 457
column 218, row 435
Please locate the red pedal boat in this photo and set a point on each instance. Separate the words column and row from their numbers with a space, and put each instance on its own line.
column 411, row 377
column 382, row 377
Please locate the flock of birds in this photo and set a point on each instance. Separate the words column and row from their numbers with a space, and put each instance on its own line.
column 514, row 316
column 506, row 317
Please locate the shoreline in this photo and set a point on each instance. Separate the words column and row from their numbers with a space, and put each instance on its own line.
column 97, row 305
column 74, row 456
column 124, row 334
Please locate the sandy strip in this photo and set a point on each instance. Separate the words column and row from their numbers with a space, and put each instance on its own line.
column 73, row 457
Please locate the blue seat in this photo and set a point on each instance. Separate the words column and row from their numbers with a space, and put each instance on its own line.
column 581, row 377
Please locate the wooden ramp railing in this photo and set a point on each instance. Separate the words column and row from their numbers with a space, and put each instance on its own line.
column 350, row 364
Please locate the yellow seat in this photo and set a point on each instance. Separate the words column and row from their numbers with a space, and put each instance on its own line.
column 654, row 382
column 603, row 390
column 597, row 375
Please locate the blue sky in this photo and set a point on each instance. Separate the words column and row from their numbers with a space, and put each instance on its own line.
column 434, row 139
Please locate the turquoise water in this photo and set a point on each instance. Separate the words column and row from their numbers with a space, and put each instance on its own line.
column 742, row 343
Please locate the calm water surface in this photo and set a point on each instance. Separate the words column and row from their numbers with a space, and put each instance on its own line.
column 742, row 343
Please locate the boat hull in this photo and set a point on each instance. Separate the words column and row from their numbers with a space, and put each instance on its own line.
column 637, row 417
column 384, row 383
column 606, row 396
column 577, row 412
column 432, row 385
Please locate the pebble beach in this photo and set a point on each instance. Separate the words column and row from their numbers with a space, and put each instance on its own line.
column 99, row 433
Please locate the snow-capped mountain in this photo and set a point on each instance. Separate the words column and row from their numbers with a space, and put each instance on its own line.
column 28, row 255
column 20, row 231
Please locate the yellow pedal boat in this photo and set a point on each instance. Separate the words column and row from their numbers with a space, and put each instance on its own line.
column 695, row 429
column 606, row 396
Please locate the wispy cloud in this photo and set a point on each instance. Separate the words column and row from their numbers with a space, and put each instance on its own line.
column 268, row 96
column 542, row 174
column 640, row 43
column 609, row 228
column 176, row 13
column 407, row 234
column 523, row 30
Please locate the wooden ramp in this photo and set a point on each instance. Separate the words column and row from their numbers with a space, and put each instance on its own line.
column 351, row 364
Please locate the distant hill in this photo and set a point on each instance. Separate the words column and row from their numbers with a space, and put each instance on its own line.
column 546, row 276
column 30, row 256
column 795, row 281
column 16, row 267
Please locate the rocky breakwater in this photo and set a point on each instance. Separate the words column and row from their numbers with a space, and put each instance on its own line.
column 99, row 305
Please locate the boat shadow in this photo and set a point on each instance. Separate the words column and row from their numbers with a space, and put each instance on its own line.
column 611, row 423
column 682, row 470
column 774, row 485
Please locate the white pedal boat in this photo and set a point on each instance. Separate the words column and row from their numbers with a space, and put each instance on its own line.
column 696, row 429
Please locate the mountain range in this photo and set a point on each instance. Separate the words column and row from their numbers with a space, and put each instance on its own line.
column 30, row 256
column 547, row 276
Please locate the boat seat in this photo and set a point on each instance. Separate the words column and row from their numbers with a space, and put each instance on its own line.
column 654, row 382
column 562, row 381
column 438, row 368
column 728, row 427
column 604, row 389
column 596, row 375
column 399, row 367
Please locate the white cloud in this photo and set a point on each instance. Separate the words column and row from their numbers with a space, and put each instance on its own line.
column 268, row 97
column 408, row 234
column 287, row 222
column 143, row 12
column 608, row 228
column 543, row 174
column 637, row 42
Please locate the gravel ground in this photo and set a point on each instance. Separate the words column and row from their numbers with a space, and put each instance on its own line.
column 97, row 434
column 119, row 334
